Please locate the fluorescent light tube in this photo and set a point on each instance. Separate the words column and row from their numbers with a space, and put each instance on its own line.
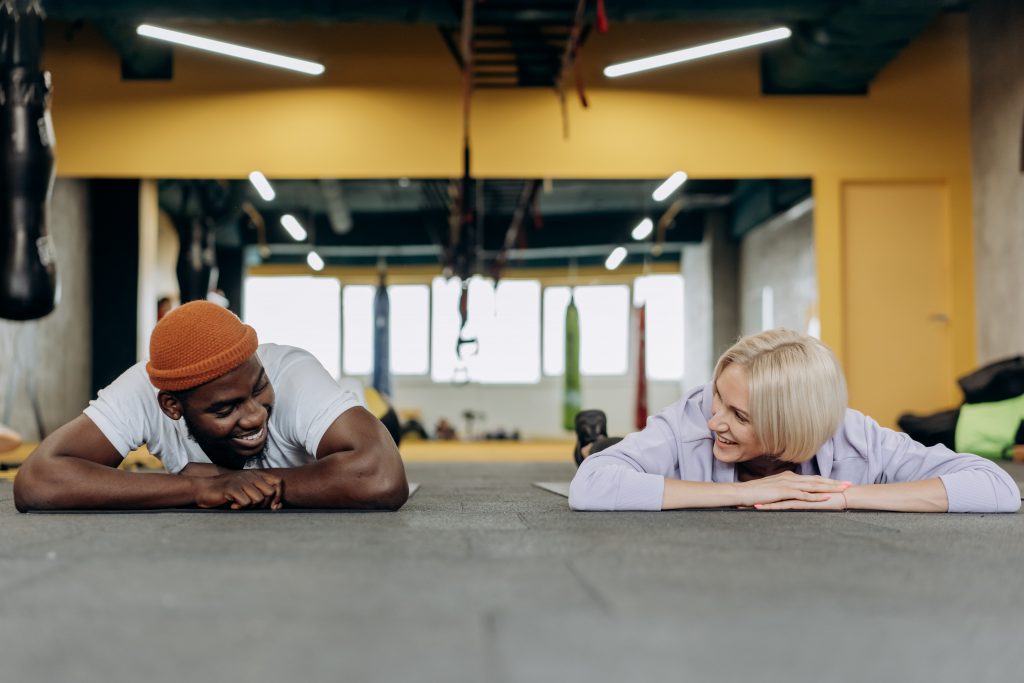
column 294, row 228
column 692, row 53
column 220, row 47
column 643, row 229
column 670, row 185
column 262, row 185
column 615, row 258
column 314, row 261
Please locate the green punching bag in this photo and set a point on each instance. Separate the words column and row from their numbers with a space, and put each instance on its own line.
column 571, row 402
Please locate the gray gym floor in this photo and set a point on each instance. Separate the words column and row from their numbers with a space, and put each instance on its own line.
column 482, row 577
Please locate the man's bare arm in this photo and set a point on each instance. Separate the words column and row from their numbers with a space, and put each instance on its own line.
column 357, row 466
column 76, row 468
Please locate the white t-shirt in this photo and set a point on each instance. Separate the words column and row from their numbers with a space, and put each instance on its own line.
column 307, row 402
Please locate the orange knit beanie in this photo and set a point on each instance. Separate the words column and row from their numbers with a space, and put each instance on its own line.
column 196, row 343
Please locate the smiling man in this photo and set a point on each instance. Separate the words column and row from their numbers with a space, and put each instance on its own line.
column 236, row 424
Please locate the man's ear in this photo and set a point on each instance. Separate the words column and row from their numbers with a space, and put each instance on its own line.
column 170, row 404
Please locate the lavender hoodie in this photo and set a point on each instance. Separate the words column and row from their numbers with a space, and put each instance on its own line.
column 677, row 443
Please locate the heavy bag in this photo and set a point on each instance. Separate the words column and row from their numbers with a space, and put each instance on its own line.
column 996, row 381
column 28, row 274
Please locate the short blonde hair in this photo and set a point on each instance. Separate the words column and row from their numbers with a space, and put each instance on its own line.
column 797, row 391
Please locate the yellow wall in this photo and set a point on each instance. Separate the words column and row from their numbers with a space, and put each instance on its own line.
column 389, row 105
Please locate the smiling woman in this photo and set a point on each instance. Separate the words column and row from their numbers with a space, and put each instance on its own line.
column 772, row 432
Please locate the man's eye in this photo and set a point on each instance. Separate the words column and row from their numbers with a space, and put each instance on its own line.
column 260, row 390
column 223, row 413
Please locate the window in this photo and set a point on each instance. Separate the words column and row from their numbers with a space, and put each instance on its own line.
column 357, row 329
column 298, row 311
column 604, row 329
column 556, row 300
column 505, row 321
column 410, row 329
column 663, row 325
column 409, row 307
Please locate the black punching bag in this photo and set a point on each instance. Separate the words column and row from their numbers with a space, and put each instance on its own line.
column 28, row 275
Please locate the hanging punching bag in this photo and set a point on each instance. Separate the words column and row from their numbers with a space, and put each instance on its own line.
column 572, row 397
column 28, row 274
column 382, row 337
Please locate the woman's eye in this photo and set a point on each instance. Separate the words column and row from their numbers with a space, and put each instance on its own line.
column 260, row 390
column 742, row 420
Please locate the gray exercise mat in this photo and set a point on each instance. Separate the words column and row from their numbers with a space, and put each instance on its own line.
column 560, row 488
column 413, row 488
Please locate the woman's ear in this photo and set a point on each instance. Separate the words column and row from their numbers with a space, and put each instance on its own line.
column 170, row 404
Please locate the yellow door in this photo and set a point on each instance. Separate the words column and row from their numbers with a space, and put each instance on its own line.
column 897, row 298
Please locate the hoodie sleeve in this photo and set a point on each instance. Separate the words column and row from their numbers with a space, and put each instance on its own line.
column 973, row 484
column 630, row 475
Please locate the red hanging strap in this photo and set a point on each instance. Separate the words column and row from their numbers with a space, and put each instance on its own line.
column 602, row 17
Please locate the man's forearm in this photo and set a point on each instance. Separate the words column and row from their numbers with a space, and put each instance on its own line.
column 348, row 479
column 928, row 495
column 58, row 482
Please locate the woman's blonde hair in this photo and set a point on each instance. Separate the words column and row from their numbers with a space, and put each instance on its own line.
column 797, row 391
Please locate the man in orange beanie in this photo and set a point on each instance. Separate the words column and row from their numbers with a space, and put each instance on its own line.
column 248, row 425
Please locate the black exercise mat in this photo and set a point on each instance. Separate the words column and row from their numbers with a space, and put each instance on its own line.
column 413, row 488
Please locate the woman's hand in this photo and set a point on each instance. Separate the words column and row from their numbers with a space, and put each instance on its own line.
column 836, row 503
column 783, row 491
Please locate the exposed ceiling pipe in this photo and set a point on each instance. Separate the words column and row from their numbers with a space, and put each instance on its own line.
column 463, row 218
column 526, row 198
column 569, row 57
column 663, row 223
column 338, row 214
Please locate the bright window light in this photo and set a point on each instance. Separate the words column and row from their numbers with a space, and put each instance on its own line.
column 230, row 49
column 410, row 329
column 294, row 228
column 671, row 184
column 643, row 229
column 664, row 332
column 357, row 329
column 697, row 52
column 298, row 311
column 262, row 185
column 615, row 258
column 314, row 261
column 505, row 322
column 556, row 300
column 604, row 329
column 444, row 328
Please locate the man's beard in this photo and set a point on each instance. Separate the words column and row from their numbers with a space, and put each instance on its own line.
column 221, row 457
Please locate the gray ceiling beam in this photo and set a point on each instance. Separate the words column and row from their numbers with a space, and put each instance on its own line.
column 371, row 11
column 141, row 58
column 842, row 53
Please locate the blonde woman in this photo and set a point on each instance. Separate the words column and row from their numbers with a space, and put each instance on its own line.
column 772, row 431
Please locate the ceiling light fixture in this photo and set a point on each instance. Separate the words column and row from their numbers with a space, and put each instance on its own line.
column 615, row 258
column 262, row 185
column 294, row 228
column 697, row 52
column 220, row 47
column 314, row 261
column 643, row 229
column 671, row 184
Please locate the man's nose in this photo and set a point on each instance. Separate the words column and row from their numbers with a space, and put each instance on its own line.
column 252, row 412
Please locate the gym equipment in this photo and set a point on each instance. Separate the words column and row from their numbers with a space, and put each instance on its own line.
column 28, row 275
